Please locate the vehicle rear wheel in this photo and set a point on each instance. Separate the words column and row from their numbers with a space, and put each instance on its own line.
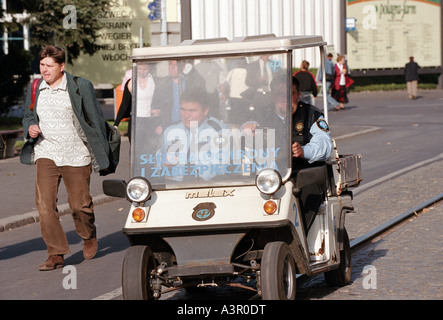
column 277, row 275
column 138, row 265
column 341, row 276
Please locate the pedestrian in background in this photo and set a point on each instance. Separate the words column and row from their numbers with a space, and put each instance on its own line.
column 341, row 83
column 308, row 86
column 146, row 84
column 411, row 74
column 329, row 71
column 67, row 134
column 125, row 108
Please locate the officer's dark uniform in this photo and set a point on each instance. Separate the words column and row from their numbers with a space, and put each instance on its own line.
column 302, row 121
column 313, row 195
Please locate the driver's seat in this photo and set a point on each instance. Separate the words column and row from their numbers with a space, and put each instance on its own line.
column 310, row 188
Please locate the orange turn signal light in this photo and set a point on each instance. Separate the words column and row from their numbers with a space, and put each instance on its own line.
column 138, row 214
column 270, row 207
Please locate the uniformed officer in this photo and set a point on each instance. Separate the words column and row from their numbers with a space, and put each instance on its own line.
column 311, row 146
column 311, row 138
column 190, row 146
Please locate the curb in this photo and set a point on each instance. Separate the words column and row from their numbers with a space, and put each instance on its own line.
column 21, row 220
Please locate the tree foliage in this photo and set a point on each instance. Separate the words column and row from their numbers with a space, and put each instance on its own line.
column 51, row 24
column 14, row 76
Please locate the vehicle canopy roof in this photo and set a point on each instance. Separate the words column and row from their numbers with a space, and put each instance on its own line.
column 222, row 46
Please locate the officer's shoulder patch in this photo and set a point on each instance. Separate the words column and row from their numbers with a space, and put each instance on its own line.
column 321, row 123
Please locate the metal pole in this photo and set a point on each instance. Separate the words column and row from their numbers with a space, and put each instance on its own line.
column 26, row 36
column 440, row 78
column 342, row 32
column 164, row 25
column 323, row 80
column 5, row 31
column 186, row 27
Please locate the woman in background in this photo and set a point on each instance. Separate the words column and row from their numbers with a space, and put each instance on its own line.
column 341, row 82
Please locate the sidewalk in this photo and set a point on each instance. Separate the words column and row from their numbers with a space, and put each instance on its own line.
column 17, row 184
column 17, row 180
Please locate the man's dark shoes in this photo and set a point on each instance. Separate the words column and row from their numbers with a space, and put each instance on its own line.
column 53, row 262
column 90, row 248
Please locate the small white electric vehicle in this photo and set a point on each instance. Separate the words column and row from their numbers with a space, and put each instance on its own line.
column 212, row 202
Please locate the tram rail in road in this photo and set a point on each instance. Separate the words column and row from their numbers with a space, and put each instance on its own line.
column 371, row 236
column 358, row 243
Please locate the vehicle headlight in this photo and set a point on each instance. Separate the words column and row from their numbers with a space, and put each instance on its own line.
column 138, row 189
column 268, row 181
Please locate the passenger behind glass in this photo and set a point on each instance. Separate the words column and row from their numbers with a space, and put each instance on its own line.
column 188, row 146
column 238, row 108
column 259, row 75
column 145, row 86
column 181, row 77
column 214, row 72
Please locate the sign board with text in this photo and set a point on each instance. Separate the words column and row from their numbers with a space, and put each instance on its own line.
column 387, row 33
column 119, row 35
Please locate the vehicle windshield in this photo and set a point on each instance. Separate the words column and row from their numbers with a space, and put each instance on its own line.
column 211, row 122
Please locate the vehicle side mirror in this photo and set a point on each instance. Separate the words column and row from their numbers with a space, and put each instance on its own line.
column 114, row 188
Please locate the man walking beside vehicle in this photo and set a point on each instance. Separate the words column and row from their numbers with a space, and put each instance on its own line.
column 67, row 137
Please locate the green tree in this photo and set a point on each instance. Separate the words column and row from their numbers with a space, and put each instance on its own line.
column 70, row 24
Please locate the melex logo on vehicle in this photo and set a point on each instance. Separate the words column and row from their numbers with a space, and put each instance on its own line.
column 204, row 211
column 211, row 193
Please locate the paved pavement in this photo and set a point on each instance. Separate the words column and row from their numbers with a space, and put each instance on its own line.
column 407, row 263
column 17, row 184
column 17, row 181
column 403, row 265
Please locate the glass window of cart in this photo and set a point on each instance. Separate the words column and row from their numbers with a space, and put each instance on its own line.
column 211, row 122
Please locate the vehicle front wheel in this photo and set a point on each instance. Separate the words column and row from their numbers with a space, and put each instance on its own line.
column 278, row 273
column 138, row 266
column 341, row 276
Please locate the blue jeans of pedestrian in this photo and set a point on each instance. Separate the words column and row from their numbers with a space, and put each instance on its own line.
column 332, row 103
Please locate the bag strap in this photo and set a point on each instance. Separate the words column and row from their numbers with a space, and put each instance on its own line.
column 35, row 84
column 214, row 125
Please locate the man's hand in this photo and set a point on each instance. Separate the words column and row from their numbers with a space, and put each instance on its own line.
column 34, row 131
column 297, row 150
column 249, row 128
